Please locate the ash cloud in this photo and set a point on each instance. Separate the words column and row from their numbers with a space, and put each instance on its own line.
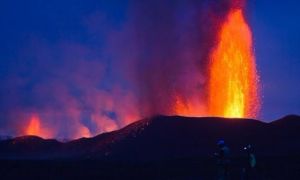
column 122, row 71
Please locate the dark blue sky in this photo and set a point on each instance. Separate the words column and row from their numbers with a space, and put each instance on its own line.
column 276, row 30
column 37, row 37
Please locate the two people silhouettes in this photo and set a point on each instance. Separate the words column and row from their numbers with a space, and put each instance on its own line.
column 223, row 162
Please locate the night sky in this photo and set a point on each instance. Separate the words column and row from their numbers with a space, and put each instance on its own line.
column 53, row 51
column 276, row 35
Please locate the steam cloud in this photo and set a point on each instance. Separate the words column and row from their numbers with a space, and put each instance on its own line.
column 159, row 53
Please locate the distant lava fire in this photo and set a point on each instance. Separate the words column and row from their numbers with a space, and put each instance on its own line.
column 233, row 79
column 34, row 126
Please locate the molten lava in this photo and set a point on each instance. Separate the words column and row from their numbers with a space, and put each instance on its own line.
column 233, row 79
column 34, row 126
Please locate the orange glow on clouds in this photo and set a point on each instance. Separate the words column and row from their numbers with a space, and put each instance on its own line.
column 191, row 107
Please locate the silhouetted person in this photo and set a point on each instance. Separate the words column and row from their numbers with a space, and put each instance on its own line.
column 249, row 170
column 223, row 160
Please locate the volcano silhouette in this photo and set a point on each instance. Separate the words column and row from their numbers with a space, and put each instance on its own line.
column 161, row 147
column 166, row 137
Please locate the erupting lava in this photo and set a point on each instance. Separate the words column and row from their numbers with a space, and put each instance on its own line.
column 34, row 126
column 233, row 79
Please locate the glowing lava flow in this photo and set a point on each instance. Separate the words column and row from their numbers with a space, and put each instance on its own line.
column 233, row 79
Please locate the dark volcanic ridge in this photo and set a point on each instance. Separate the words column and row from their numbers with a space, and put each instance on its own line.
column 166, row 137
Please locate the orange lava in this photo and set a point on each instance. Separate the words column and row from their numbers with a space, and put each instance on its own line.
column 233, row 79
column 34, row 126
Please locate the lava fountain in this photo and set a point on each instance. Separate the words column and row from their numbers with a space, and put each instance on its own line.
column 233, row 79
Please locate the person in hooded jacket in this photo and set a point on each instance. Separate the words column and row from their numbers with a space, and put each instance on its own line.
column 223, row 160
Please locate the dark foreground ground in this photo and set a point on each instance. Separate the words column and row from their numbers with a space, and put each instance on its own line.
column 196, row 168
column 162, row 147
